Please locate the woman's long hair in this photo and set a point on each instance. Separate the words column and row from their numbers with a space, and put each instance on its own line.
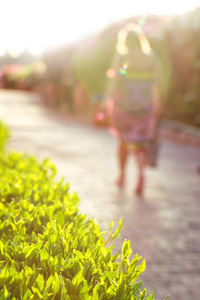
column 121, row 46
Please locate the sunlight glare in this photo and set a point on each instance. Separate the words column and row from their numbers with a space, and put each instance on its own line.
column 36, row 25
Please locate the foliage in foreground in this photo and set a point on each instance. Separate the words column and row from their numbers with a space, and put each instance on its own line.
column 4, row 135
column 48, row 250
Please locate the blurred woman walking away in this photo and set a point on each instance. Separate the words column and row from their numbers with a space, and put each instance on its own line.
column 132, row 99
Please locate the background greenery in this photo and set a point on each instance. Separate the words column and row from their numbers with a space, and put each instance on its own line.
column 176, row 42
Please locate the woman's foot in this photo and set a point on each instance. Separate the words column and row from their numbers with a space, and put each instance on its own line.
column 120, row 183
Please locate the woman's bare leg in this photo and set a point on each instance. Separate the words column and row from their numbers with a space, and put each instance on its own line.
column 122, row 158
column 141, row 163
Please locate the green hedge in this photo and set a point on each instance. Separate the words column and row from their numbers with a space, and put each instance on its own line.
column 4, row 135
column 48, row 249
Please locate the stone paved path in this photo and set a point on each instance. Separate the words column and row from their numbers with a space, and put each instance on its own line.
column 163, row 226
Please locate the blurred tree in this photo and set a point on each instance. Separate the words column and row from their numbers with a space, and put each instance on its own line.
column 183, row 100
column 94, row 59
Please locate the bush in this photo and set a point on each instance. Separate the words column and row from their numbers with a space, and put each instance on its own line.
column 48, row 250
column 4, row 135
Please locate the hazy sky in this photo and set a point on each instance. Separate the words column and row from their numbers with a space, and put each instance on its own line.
column 38, row 24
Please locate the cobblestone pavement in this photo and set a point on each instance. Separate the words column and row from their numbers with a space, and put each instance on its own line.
column 163, row 226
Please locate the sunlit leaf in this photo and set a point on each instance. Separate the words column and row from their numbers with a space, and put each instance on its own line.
column 44, row 254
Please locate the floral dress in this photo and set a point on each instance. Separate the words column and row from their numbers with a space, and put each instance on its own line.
column 130, row 103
